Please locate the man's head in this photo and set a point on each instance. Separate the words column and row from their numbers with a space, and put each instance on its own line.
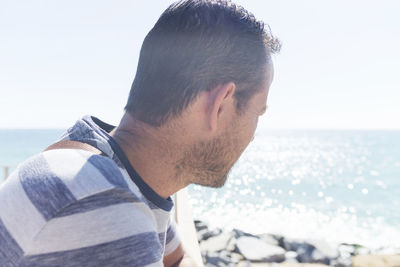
column 197, row 45
column 213, row 58
column 211, row 159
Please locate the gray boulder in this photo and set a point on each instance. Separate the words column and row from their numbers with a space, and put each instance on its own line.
column 346, row 250
column 216, row 243
column 291, row 257
column 200, row 225
column 254, row 249
column 269, row 239
column 318, row 256
column 210, row 233
column 295, row 244
column 217, row 259
column 342, row 262
column 305, row 252
column 329, row 250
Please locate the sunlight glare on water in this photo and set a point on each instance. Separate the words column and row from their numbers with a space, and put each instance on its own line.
column 340, row 186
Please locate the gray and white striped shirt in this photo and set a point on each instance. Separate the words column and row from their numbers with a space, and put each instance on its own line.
column 70, row 207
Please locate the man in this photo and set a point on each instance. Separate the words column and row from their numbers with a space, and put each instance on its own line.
column 201, row 84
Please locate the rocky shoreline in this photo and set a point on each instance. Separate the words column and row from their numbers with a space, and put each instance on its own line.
column 238, row 248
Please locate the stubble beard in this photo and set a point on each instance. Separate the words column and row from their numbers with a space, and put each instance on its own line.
column 210, row 162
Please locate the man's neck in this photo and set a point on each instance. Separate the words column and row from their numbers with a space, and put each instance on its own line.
column 152, row 155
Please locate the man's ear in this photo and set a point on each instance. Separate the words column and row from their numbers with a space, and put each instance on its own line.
column 219, row 100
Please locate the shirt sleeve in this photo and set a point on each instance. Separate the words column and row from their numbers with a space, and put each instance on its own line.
column 105, row 229
column 172, row 240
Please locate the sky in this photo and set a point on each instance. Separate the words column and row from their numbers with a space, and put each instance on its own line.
column 338, row 67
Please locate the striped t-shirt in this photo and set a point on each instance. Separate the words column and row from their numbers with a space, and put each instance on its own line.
column 70, row 207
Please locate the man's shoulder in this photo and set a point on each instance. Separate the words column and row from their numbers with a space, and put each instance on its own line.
column 55, row 179
column 65, row 203
column 75, row 164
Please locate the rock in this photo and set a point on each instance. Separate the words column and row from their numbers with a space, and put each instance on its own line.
column 341, row 262
column 236, row 257
column 346, row 250
column 231, row 246
column 329, row 250
column 315, row 251
column 279, row 238
column 216, row 243
column 301, row 265
column 227, row 256
column 269, row 239
column 295, row 244
column 204, row 256
column 284, row 264
column 358, row 249
column 254, row 249
column 238, row 248
column 291, row 256
column 305, row 252
column 211, row 233
column 201, row 233
column 244, row 264
column 200, row 225
column 217, row 259
column 238, row 233
column 318, row 256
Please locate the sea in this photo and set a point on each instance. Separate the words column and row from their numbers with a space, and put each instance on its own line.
column 340, row 186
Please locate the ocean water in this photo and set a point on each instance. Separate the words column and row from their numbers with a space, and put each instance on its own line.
column 338, row 186
column 334, row 185
column 18, row 145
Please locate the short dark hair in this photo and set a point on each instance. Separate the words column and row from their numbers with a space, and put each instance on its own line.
column 197, row 45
